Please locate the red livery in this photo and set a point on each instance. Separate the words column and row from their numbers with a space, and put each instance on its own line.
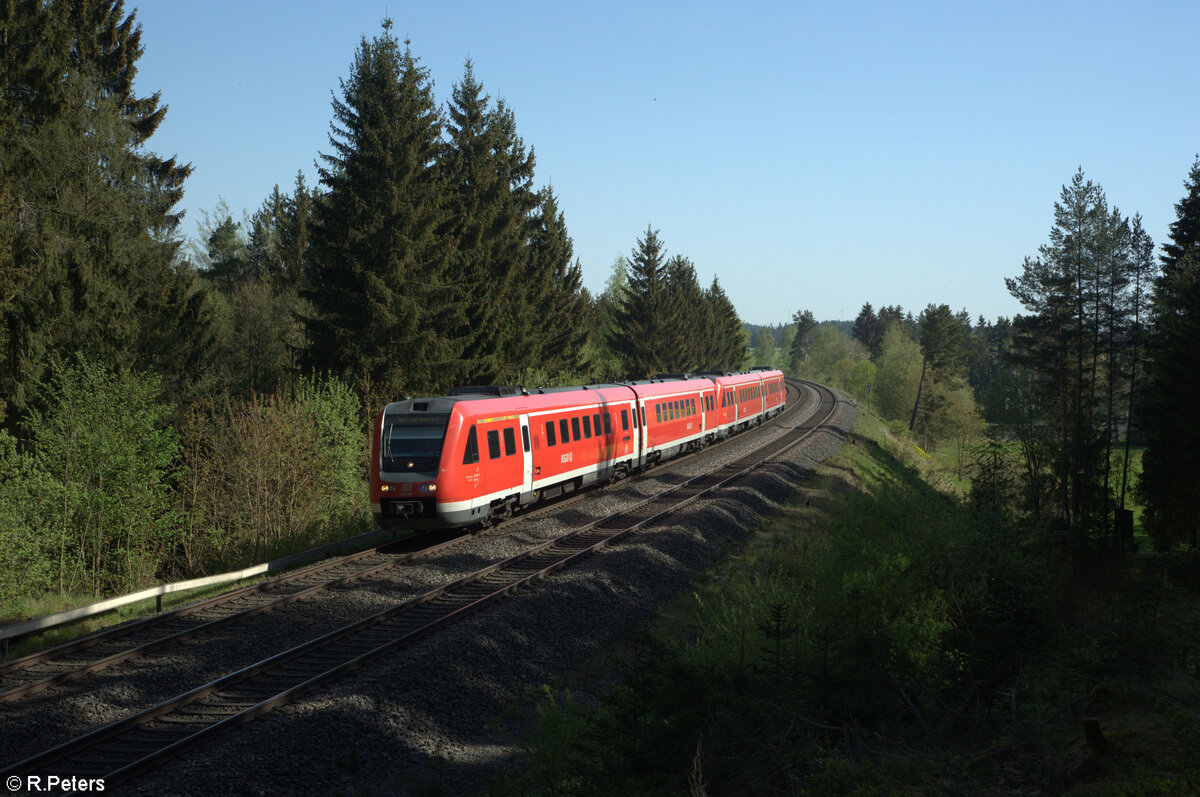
column 481, row 453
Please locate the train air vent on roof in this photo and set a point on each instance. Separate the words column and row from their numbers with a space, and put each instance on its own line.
column 420, row 406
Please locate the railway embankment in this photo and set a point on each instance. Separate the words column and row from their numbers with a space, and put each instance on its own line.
column 879, row 633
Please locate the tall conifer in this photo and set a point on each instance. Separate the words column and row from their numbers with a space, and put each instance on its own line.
column 381, row 308
column 730, row 341
column 1170, row 482
column 642, row 334
column 559, row 305
column 96, row 241
column 489, row 176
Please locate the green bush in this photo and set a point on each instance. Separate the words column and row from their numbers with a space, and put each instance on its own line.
column 272, row 475
column 27, row 561
column 95, row 504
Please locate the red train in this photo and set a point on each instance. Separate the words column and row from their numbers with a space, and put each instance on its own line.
column 479, row 454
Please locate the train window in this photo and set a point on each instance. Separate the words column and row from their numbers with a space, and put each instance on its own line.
column 692, row 405
column 607, row 423
column 525, row 437
column 510, row 442
column 587, row 426
column 624, row 420
column 550, row 441
column 596, row 423
column 575, row 428
column 658, row 413
column 564, row 431
column 670, row 410
column 493, row 438
column 471, row 456
column 635, row 418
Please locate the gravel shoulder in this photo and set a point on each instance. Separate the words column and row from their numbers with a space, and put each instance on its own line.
column 423, row 720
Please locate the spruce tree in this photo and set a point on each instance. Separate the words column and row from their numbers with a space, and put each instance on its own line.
column 868, row 329
column 1185, row 230
column 643, row 333
column 730, row 342
column 96, row 245
column 1170, row 481
column 490, row 200
column 560, row 306
column 683, row 348
column 382, row 311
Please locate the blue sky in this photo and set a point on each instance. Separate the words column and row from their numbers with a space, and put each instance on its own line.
column 809, row 155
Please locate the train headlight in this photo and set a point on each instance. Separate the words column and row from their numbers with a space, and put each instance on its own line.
column 386, row 488
column 429, row 488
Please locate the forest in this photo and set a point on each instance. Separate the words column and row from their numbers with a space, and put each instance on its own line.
column 174, row 407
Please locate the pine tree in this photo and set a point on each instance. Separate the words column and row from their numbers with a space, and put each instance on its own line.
column 943, row 347
column 381, row 308
column 1074, row 292
column 805, row 323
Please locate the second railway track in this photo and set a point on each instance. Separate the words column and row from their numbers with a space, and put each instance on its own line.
column 149, row 736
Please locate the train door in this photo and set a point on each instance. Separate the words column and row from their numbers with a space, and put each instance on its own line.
column 639, row 424
column 526, row 456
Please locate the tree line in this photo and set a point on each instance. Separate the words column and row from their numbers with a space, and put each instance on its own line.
column 425, row 257
column 1100, row 364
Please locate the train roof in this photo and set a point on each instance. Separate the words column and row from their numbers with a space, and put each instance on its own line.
column 477, row 401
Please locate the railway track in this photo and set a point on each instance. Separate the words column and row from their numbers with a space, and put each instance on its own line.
column 71, row 661
column 146, row 738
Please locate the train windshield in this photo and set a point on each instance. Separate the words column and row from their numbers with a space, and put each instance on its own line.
column 413, row 443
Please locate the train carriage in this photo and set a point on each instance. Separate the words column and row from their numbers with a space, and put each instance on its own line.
column 672, row 415
column 482, row 453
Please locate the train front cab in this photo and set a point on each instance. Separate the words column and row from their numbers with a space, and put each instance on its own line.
column 406, row 447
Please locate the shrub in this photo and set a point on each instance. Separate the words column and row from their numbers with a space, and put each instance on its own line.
column 107, row 464
column 273, row 474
